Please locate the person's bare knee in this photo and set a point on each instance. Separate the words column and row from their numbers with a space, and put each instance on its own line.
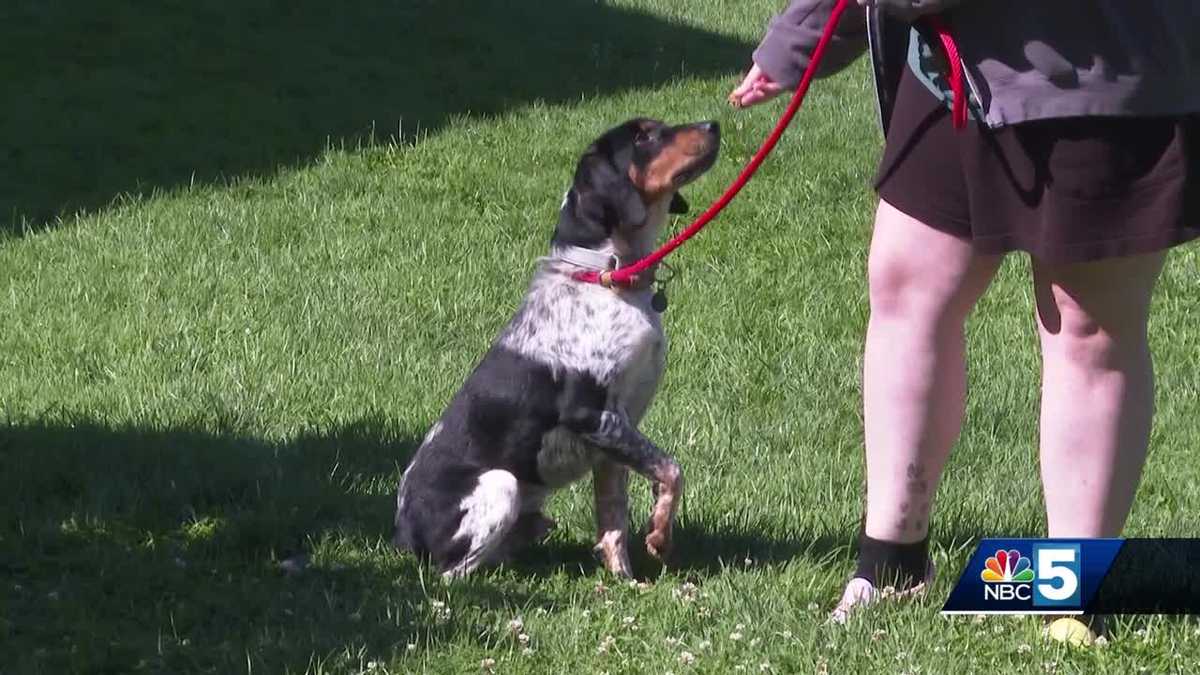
column 920, row 275
column 1085, row 320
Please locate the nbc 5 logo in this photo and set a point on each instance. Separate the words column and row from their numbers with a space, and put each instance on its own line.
column 1058, row 579
column 1050, row 579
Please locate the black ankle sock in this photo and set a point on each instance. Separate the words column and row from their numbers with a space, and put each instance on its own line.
column 885, row 563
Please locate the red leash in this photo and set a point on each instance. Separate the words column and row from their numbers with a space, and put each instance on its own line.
column 954, row 62
column 626, row 275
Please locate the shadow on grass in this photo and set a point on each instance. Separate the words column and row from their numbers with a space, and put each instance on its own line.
column 700, row 550
column 125, row 97
column 125, row 549
column 135, row 548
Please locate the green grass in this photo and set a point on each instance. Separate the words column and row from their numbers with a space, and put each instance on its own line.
column 228, row 314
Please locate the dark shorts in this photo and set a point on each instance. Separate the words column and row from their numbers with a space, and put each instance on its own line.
column 1065, row 190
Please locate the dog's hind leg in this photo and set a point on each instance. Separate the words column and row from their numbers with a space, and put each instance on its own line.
column 610, row 483
column 488, row 515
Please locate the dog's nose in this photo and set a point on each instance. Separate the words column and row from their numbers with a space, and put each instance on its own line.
column 710, row 127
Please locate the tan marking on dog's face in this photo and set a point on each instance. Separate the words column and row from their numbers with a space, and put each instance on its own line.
column 658, row 177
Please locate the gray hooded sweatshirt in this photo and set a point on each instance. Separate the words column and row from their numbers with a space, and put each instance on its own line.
column 1025, row 60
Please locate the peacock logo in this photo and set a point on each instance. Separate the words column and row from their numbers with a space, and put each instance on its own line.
column 1007, row 567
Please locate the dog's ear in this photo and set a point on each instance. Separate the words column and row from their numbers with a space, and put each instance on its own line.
column 608, row 198
column 678, row 205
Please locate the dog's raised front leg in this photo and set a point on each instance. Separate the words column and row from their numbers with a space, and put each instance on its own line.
column 610, row 483
column 624, row 444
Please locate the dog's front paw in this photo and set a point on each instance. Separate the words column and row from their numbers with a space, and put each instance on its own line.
column 667, row 492
column 613, row 555
column 658, row 544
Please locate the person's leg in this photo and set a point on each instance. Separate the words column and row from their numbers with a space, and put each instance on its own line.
column 1097, row 389
column 922, row 285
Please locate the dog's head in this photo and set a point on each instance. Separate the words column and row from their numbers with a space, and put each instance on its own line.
column 630, row 177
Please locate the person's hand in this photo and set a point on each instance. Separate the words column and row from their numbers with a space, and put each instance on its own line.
column 755, row 88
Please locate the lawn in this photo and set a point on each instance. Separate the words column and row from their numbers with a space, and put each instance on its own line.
column 249, row 250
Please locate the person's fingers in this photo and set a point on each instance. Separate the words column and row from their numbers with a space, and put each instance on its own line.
column 755, row 88
column 770, row 89
column 760, row 92
column 747, row 84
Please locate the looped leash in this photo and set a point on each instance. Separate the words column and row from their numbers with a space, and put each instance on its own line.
column 958, row 109
column 624, row 275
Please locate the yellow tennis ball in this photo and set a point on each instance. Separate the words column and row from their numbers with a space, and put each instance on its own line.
column 1071, row 631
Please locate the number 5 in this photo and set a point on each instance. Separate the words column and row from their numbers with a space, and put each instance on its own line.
column 1058, row 564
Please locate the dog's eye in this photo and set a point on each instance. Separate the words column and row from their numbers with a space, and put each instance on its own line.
column 645, row 137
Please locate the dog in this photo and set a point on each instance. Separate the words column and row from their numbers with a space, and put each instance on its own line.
column 564, row 386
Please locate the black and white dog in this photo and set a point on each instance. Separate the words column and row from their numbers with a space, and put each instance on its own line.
column 562, row 389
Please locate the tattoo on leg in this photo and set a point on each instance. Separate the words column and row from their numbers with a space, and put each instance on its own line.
column 918, row 487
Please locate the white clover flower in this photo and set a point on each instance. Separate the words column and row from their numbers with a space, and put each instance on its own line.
column 606, row 644
column 441, row 611
column 686, row 592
